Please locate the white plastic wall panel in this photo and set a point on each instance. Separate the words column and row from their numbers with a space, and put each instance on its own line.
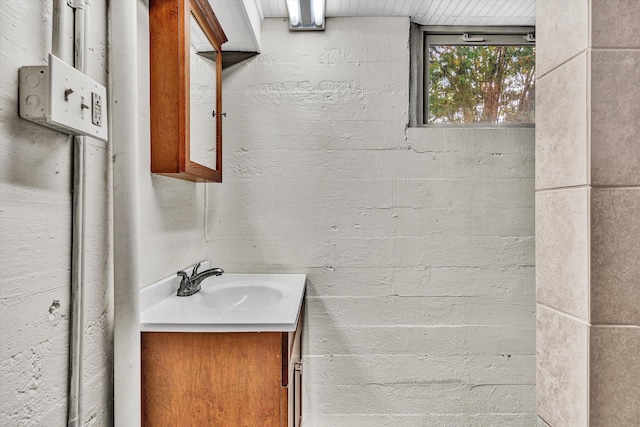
column 427, row 12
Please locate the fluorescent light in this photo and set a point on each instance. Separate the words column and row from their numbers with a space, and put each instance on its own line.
column 306, row 15
column 294, row 12
column 317, row 11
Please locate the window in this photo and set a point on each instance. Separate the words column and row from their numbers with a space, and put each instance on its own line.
column 477, row 75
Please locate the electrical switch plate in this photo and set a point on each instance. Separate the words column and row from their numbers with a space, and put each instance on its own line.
column 62, row 98
column 96, row 109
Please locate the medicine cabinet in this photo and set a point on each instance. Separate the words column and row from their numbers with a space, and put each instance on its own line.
column 186, row 90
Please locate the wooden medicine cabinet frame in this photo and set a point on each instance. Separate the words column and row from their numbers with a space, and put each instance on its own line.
column 169, row 38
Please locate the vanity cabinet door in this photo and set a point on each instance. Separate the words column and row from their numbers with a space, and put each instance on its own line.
column 293, row 376
column 296, row 410
column 239, row 379
column 211, row 379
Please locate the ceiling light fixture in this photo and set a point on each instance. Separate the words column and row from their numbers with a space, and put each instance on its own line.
column 306, row 15
column 293, row 6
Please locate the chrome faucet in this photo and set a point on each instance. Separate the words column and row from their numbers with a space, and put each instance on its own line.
column 191, row 285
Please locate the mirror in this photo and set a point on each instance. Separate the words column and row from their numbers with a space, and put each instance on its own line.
column 202, row 99
column 186, row 88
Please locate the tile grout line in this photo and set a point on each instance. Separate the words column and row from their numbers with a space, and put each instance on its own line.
column 590, row 181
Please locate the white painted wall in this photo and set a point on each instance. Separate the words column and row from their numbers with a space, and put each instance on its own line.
column 35, row 221
column 417, row 242
column 35, row 231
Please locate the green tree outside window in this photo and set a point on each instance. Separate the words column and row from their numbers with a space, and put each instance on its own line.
column 481, row 84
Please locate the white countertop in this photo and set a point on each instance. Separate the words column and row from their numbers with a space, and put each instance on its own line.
column 224, row 304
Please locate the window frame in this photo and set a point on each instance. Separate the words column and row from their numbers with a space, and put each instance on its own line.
column 424, row 36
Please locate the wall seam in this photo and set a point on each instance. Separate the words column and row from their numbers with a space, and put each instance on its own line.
column 568, row 187
column 561, row 64
column 564, row 313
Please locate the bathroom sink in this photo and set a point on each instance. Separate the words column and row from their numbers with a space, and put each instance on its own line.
column 241, row 296
column 226, row 303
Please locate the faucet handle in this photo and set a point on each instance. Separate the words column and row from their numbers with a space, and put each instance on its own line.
column 184, row 275
column 185, row 284
column 195, row 269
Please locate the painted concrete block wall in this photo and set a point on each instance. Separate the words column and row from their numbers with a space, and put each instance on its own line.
column 35, row 214
column 35, row 218
column 418, row 243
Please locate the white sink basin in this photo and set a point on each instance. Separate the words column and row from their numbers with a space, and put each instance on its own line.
column 227, row 303
column 241, row 296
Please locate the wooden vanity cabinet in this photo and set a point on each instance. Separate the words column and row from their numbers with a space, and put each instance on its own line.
column 221, row 379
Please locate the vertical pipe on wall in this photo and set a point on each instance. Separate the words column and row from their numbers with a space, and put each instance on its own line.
column 76, row 338
column 124, row 135
column 80, row 36
column 61, row 45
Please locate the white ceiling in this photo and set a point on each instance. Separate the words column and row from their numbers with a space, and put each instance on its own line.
column 427, row 12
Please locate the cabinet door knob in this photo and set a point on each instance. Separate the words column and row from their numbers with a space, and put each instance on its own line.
column 213, row 113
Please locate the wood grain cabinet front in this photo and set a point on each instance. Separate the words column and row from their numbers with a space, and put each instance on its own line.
column 250, row 379
column 185, row 40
